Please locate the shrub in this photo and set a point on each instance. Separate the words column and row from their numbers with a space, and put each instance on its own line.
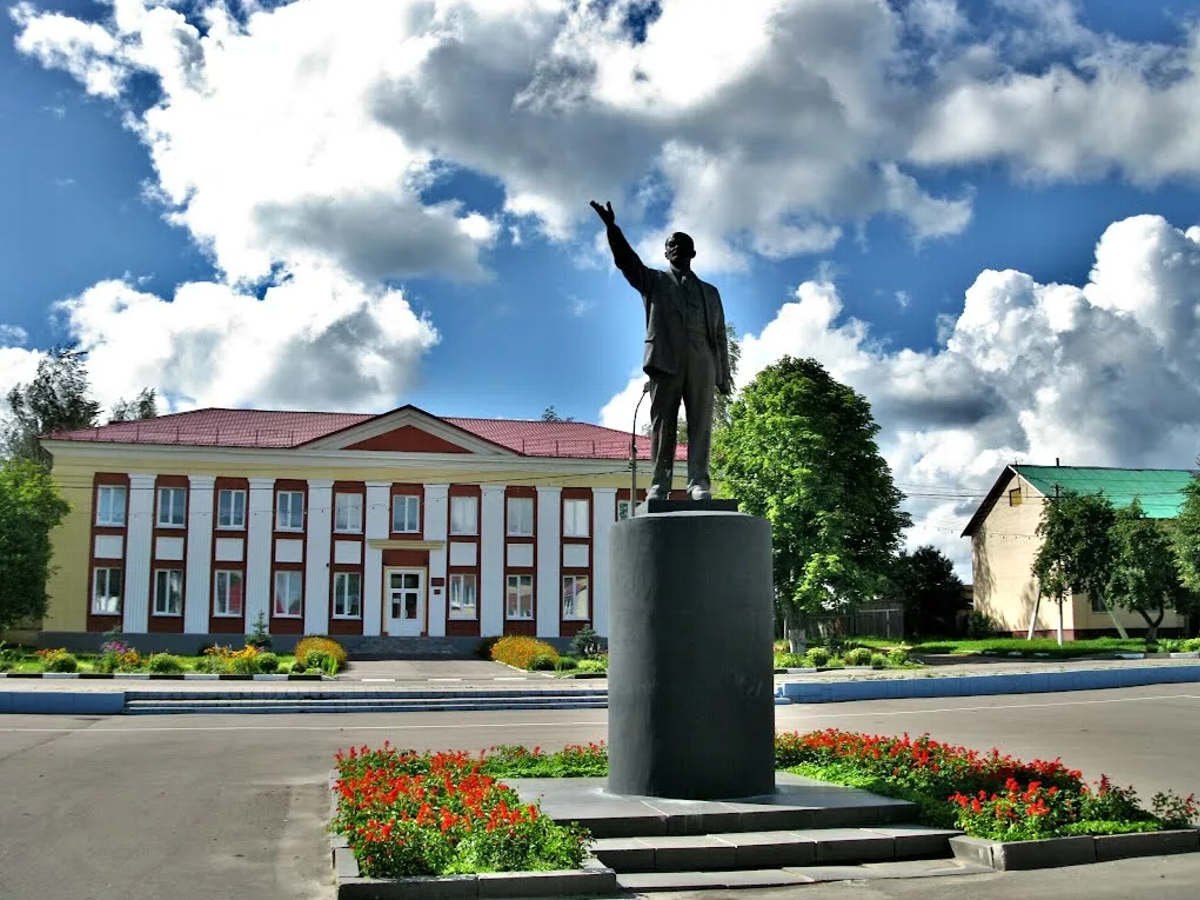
column 817, row 656
column 258, row 638
column 484, row 648
column 268, row 662
column 298, row 667
column 543, row 663
column 785, row 660
column 878, row 661
column 520, row 652
column 566, row 663
column 326, row 645
column 164, row 664
column 897, row 656
column 980, row 624
column 586, row 642
column 595, row 664
column 57, row 660
column 320, row 661
column 859, row 656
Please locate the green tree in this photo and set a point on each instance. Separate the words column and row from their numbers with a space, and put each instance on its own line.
column 1143, row 577
column 800, row 451
column 550, row 414
column 1077, row 550
column 143, row 406
column 56, row 400
column 1185, row 541
column 925, row 584
column 30, row 506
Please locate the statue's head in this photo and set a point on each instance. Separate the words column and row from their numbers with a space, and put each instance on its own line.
column 680, row 250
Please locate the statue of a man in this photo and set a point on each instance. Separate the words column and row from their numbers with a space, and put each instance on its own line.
column 686, row 355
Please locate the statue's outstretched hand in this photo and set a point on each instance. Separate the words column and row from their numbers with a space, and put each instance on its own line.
column 606, row 214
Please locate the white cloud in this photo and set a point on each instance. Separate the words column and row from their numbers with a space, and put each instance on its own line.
column 1105, row 374
column 13, row 335
column 317, row 341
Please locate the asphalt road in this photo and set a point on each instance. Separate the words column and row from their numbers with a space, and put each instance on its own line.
column 220, row 806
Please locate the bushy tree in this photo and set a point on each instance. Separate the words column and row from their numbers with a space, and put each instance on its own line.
column 56, row 400
column 800, row 451
column 143, row 406
column 1143, row 577
column 1185, row 541
column 30, row 506
column 932, row 595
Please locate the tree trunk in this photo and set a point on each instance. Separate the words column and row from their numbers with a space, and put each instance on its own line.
column 1060, row 623
column 1112, row 614
column 1152, row 624
column 793, row 627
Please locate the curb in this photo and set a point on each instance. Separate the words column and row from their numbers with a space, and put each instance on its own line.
column 156, row 676
column 980, row 685
column 95, row 703
column 1010, row 856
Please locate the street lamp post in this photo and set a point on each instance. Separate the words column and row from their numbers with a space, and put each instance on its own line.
column 633, row 451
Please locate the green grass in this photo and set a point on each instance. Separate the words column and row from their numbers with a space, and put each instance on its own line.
column 1037, row 646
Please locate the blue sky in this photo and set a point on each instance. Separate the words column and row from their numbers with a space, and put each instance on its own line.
column 976, row 213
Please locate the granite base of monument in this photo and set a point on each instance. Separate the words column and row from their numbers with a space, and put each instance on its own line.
column 691, row 711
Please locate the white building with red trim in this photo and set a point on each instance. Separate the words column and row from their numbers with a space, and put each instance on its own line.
column 189, row 527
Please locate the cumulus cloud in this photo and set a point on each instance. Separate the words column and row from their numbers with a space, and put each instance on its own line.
column 316, row 341
column 1103, row 374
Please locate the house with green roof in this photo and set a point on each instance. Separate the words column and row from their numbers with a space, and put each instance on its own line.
column 1004, row 542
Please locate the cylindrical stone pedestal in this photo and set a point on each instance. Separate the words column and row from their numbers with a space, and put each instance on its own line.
column 691, row 710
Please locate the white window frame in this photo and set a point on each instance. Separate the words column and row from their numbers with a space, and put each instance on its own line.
column 348, row 512
column 521, row 582
column 104, row 507
column 236, row 519
column 516, row 523
column 342, row 595
column 163, row 580
column 295, row 510
column 405, row 500
column 291, row 577
column 623, row 506
column 458, row 584
column 464, row 515
column 172, row 500
column 224, row 578
column 574, row 580
column 571, row 514
column 106, row 608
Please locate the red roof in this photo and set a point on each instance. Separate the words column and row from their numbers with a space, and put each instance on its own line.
column 280, row 430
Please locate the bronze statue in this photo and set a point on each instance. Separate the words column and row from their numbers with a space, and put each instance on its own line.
column 686, row 354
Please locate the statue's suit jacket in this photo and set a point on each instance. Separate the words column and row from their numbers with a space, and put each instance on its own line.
column 666, row 325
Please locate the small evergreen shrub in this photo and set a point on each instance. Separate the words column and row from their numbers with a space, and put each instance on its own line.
column 258, row 638
column 164, row 664
column 327, row 645
column 268, row 662
column 520, row 652
column 586, row 642
column 859, row 656
column 543, row 663
column 817, row 656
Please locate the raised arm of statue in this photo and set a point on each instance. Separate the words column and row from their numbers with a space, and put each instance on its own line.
column 623, row 255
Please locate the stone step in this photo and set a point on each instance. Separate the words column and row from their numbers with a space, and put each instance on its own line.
column 753, row 850
column 265, row 705
column 648, row 882
column 306, row 695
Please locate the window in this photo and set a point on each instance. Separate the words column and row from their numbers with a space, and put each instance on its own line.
column 289, row 511
column 462, row 597
column 623, row 508
column 106, row 592
column 464, row 515
column 227, row 593
column 520, row 516
column 288, row 592
column 168, row 592
column 347, row 512
column 575, row 597
column 1097, row 604
column 347, row 595
column 110, row 505
column 518, row 600
column 576, row 514
column 406, row 513
column 231, row 509
column 171, row 504
column 1014, row 497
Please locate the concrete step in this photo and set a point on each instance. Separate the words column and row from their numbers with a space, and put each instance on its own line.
column 297, row 695
column 648, row 882
column 753, row 850
column 267, row 705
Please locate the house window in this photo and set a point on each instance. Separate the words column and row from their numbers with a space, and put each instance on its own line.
column 227, row 593
column 347, row 595
column 520, row 516
column 289, row 511
column 168, row 592
column 406, row 513
column 623, row 508
column 576, row 517
column 106, row 591
column 347, row 512
column 464, row 515
column 1097, row 604
column 231, row 509
column 576, row 599
column 288, row 588
column 462, row 597
column 110, row 505
column 518, row 601
column 1014, row 497
column 172, row 502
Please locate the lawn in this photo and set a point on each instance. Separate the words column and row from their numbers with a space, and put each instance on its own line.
column 1040, row 647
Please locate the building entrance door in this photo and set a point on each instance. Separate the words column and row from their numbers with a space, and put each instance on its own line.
column 404, row 599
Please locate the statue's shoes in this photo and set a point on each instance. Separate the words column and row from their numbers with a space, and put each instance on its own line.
column 654, row 492
column 699, row 492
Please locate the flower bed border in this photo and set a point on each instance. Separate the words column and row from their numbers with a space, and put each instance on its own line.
column 592, row 879
column 158, row 676
column 1009, row 856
